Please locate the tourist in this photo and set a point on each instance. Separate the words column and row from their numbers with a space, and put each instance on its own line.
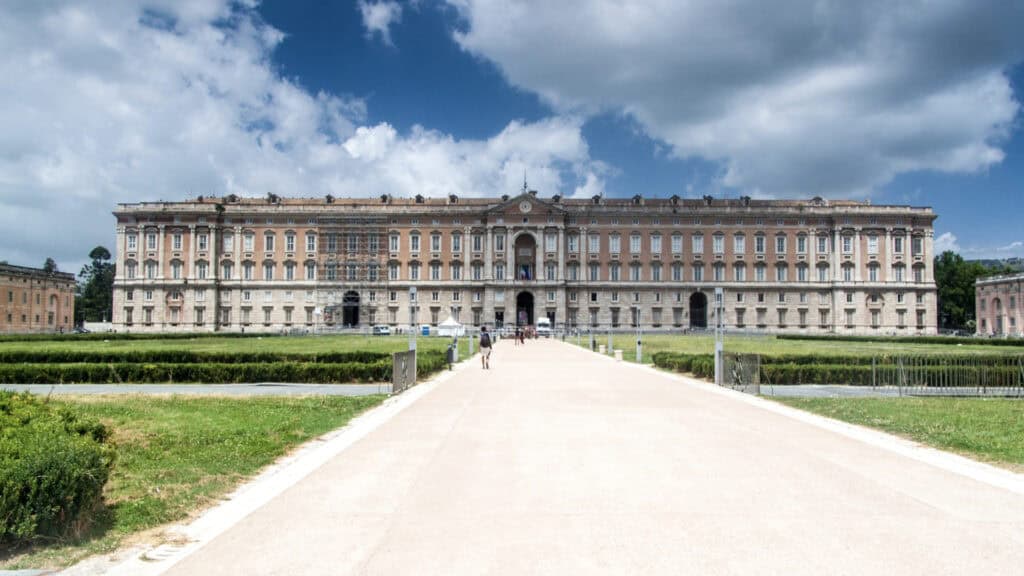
column 485, row 348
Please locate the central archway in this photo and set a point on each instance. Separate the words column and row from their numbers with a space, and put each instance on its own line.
column 524, row 309
column 350, row 309
column 698, row 310
column 525, row 257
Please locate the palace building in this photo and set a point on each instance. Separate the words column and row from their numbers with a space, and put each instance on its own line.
column 273, row 264
column 34, row 300
column 999, row 310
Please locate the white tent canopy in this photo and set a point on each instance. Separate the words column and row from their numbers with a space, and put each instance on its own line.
column 450, row 327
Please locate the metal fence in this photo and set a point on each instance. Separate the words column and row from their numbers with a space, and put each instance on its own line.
column 742, row 372
column 951, row 376
column 403, row 371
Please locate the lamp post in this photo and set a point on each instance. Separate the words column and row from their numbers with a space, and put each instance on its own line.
column 412, row 318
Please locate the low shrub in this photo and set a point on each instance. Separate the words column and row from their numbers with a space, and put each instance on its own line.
column 53, row 467
column 207, row 373
column 700, row 365
column 125, row 336
column 947, row 340
column 183, row 356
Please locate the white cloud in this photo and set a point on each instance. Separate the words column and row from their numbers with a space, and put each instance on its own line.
column 379, row 16
column 947, row 242
column 124, row 101
column 796, row 98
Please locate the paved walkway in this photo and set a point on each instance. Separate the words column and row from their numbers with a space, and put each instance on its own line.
column 559, row 461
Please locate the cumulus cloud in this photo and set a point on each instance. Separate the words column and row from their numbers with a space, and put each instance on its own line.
column 127, row 101
column 378, row 18
column 801, row 97
column 947, row 242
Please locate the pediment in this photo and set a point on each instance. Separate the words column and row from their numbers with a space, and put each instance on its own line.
column 525, row 204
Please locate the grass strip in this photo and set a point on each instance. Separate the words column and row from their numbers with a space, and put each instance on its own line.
column 178, row 455
column 988, row 429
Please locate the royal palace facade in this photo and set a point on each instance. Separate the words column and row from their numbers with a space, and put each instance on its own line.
column 274, row 264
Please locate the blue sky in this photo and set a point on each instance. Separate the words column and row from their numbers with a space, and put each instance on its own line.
column 133, row 100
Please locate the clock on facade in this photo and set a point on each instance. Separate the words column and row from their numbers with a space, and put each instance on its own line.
column 525, row 206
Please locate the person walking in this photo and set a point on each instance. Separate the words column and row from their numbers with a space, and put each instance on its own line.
column 485, row 348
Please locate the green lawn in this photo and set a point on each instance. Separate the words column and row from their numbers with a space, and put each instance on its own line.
column 287, row 344
column 705, row 344
column 989, row 429
column 178, row 455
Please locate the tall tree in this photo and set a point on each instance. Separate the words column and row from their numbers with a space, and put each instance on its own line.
column 95, row 288
column 954, row 278
column 50, row 266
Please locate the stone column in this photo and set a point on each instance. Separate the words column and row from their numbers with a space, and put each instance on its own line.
column 837, row 248
column 560, row 274
column 510, row 259
column 238, row 255
column 122, row 249
column 160, row 251
column 467, row 254
column 190, row 254
column 887, row 266
column 539, row 267
column 857, row 264
column 489, row 253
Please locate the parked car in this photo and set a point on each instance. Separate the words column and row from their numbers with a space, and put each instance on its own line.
column 382, row 330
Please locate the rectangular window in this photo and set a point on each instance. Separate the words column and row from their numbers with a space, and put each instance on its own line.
column 801, row 244
column 801, row 273
column 759, row 244
column 499, row 243
column 594, row 272
column 677, row 273
column 574, row 243
column 499, row 271
column 847, row 273
column 614, row 272
column 310, row 243
column 656, row 273
column 698, row 273
column 677, row 244
column 897, row 245
column 249, row 242
column 739, row 244
column 656, row 244
column 594, row 244
column 697, row 243
column 917, row 247
column 822, row 244
column 289, row 242
column 759, row 273
column 176, row 242
column 718, row 244
column 478, row 243
column 435, row 242
column 780, row 244
column 456, row 242
column 872, row 244
column 151, row 241
column 550, row 242
column 132, row 239
column 414, row 243
column 740, row 273
column 847, row 244
column 781, row 273
column 228, row 242
column 634, row 244
column 614, row 244
column 393, row 242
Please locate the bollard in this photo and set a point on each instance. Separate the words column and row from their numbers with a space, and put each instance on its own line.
column 601, row 349
column 471, row 337
column 618, row 355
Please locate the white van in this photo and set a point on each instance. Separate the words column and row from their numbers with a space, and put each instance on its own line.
column 543, row 327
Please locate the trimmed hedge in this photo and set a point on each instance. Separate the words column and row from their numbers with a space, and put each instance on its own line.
column 947, row 340
column 183, row 356
column 700, row 365
column 321, row 372
column 53, row 467
column 206, row 373
column 127, row 336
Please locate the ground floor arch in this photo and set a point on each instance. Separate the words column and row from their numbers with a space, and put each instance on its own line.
column 350, row 308
column 524, row 308
column 698, row 310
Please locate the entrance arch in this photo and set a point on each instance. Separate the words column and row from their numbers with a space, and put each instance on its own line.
column 350, row 308
column 525, row 257
column 698, row 310
column 524, row 309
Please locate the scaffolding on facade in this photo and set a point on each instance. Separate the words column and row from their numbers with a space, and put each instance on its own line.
column 352, row 270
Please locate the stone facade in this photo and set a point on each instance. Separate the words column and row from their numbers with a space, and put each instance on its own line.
column 33, row 300
column 998, row 307
column 275, row 264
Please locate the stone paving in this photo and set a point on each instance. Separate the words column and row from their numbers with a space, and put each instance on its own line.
column 559, row 461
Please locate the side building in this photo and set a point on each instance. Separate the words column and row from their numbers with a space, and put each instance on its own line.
column 272, row 264
column 34, row 300
column 998, row 306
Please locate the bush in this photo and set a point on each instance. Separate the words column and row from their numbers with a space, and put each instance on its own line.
column 208, row 373
column 700, row 365
column 947, row 340
column 183, row 356
column 126, row 336
column 53, row 467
